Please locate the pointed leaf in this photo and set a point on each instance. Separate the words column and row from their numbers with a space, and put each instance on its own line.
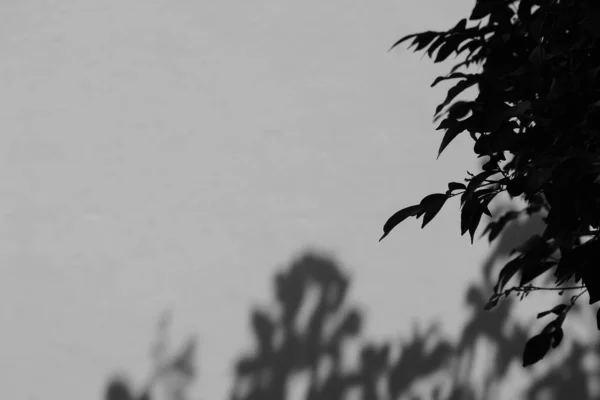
column 476, row 181
column 543, row 314
column 435, row 45
column 400, row 216
column 445, row 51
column 451, row 76
column 460, row 27
column 452, row 186
column 432, row 205
column 474, row 223
column 557, row 310
column 402, row 40
column 424, row 39
column 452, row 133
column 447, row 124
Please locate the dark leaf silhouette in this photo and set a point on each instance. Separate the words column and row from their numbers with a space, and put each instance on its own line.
column 455, row 75
column 536, row 348
column 452, row 186
column 559, row 309
column 432, row 205
column 457, row 89
column 398, row 217
column 451, row 133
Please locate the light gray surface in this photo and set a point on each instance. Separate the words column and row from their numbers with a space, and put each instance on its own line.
column 172, row 154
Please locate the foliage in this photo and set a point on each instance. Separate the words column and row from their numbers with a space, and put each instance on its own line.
column 536, row 122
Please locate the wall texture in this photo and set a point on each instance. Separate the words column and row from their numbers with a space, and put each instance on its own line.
column 171, row 155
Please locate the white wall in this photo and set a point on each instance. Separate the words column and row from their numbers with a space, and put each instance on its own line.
column 168, row 154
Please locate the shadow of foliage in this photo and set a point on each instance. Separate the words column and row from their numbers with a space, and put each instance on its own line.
column 308, row 345
column 477, row 366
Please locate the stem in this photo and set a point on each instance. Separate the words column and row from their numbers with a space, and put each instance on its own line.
column 526, row 289
column 574, row 298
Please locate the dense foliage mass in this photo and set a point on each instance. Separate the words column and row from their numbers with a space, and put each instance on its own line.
column 536, row 120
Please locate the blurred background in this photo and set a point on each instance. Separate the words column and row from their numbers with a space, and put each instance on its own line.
column 171, row 169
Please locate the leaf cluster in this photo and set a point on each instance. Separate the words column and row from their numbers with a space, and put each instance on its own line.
column 536, row 124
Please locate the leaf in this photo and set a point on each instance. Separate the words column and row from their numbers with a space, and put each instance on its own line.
column 487, row 199
column 557, row 337
column 424, row 39
column 457, row 89
column 447, row 48
column 447, row 124
column 451, row 134
column 482, row 9
column 435, row 45
column 432, row 205
column 508, row 271
column 400, row 216
column 577, row 260
column 536, row 348
column 492, row 302
column 544, row 313
column 559, row 309
column 459, row 109
column 516, row 186
column 451, row 76
column 533, row 269
column 402, row 40
column 452, row 186
column 474, row 224
column 460, row 27
column 475, row 183
column 470, row 217
column 470, row 45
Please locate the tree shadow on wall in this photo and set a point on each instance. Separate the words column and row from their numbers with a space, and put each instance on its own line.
column 309, row 346
column 309, row 339
column 305, row 341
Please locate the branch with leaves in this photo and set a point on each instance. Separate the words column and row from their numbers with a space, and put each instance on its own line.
column 536, row 120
